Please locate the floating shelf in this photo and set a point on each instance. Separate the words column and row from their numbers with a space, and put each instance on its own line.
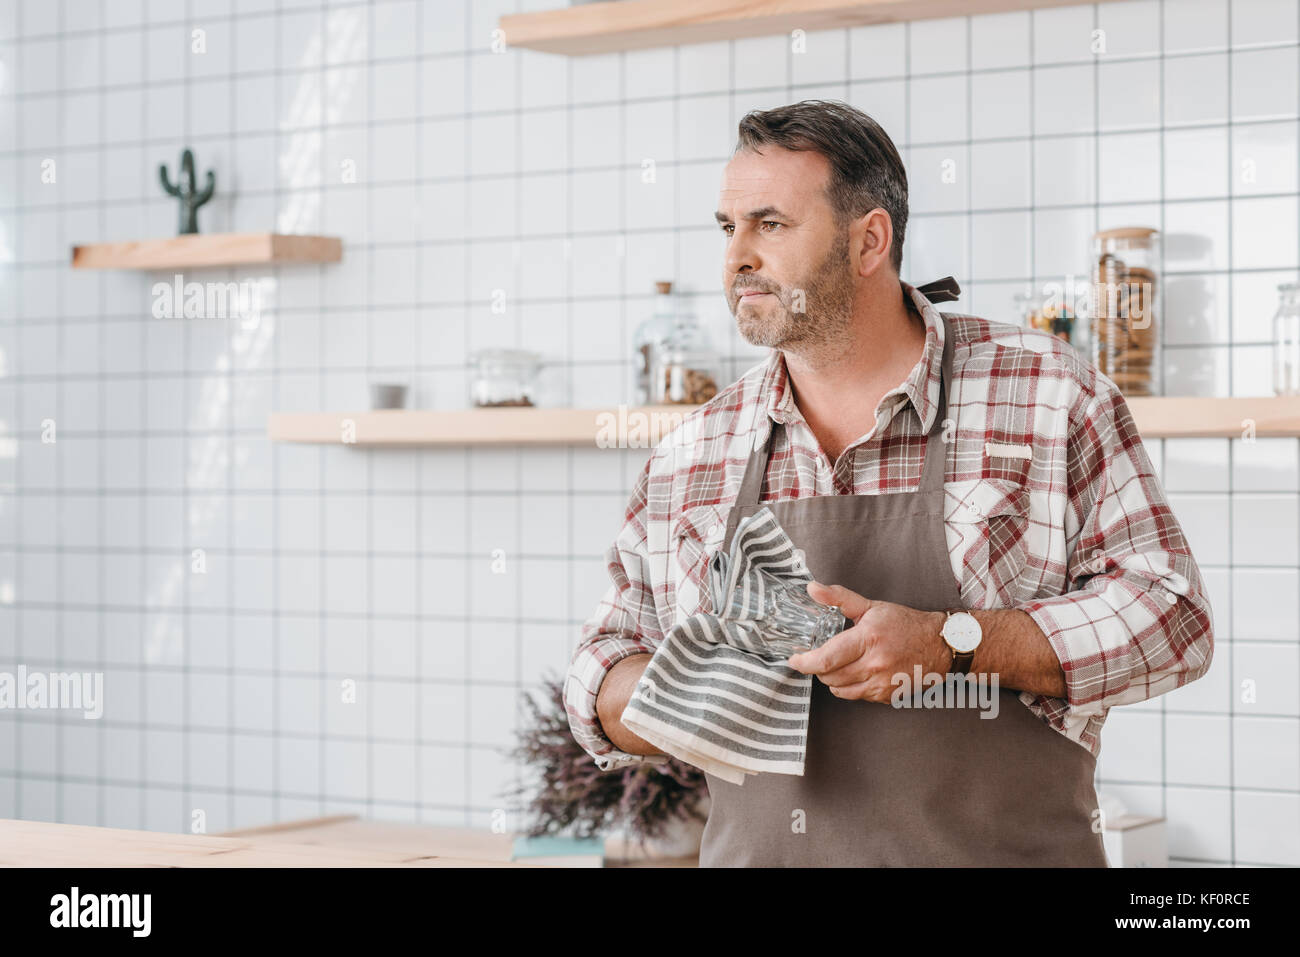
column 636, row 24
column 208, row 249
column 644, row 426
column 1210, row 417
column 635, row 427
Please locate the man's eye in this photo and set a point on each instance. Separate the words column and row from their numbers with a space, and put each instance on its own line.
column 770, row 223
column 727, row 228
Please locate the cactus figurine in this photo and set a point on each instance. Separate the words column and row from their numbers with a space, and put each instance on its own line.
column 191, row 199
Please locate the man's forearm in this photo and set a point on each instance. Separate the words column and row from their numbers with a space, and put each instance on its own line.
column 1016, row 650
column 615, row 692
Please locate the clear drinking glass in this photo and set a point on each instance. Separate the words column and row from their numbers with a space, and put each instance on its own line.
column 789, row 619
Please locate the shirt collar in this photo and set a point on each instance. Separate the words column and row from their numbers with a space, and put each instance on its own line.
column 920, row 388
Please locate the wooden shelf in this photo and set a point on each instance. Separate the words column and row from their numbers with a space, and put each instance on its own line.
column 635, row 427
column 1209, row 417
column 636, row 24
column 643, row 427
column 208, row 249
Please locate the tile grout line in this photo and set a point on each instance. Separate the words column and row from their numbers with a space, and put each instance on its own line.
column 1232, row 720
column 101, row 531
column 468, row 757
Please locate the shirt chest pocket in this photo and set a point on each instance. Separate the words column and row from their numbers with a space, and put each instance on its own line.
column 696, row 534
column 991, row 518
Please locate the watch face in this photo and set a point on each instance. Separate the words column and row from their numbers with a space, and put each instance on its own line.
column 962, row 632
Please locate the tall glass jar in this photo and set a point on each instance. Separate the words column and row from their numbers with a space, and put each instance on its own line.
column 684, row 369
column 1125, row 307
column 651, row 335
column 1286, row 340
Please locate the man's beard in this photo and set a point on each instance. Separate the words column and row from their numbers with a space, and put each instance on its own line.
column 826, row 297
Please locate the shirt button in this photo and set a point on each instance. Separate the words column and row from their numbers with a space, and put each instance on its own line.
column 974, row 510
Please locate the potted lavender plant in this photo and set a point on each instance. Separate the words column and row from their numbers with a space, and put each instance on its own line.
column 658, row 808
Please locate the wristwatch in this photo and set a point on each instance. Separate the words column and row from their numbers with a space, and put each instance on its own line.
column 961, row 632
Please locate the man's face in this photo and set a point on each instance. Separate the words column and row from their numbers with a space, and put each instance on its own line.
column 787, row 272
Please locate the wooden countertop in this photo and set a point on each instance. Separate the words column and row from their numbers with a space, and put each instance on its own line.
column 344, row 841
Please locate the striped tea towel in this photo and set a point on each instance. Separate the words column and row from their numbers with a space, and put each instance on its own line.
column 714, row 694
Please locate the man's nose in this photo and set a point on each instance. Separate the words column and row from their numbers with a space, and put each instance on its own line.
column 741, row 253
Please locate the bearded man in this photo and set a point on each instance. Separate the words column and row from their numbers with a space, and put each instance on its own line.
column 973, row 495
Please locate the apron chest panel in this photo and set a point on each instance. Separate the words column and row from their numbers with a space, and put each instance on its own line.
column 885, row 786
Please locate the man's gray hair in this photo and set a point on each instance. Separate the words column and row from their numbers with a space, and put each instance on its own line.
column 866, row 170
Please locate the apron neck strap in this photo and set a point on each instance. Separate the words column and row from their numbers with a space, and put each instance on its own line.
column 941, row 290
column 932, row 471
column 936, row 446
column 752, row 484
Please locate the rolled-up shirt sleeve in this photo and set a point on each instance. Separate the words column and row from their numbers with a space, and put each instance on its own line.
column 625, row 623
column 1135, row 621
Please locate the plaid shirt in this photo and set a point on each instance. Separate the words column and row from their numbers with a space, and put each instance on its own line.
column 1073, row 528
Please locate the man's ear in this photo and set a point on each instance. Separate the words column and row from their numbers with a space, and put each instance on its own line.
column 871, row 237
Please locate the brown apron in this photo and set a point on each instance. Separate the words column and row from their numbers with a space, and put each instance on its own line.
column 902, row 787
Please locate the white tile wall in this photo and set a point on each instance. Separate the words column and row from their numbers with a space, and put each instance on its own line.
column 476, row 171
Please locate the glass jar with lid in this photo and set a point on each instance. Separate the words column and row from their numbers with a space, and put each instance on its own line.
column 1286, row 340
column 650, row 335
column 1125, row 308
column 1026, row 309
column 1051, row 315
column 504, row 377
column 684, row 368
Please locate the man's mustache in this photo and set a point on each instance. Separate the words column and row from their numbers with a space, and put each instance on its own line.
column 739, row 288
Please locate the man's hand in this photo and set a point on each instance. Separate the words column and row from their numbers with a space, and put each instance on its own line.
column 885, row 640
